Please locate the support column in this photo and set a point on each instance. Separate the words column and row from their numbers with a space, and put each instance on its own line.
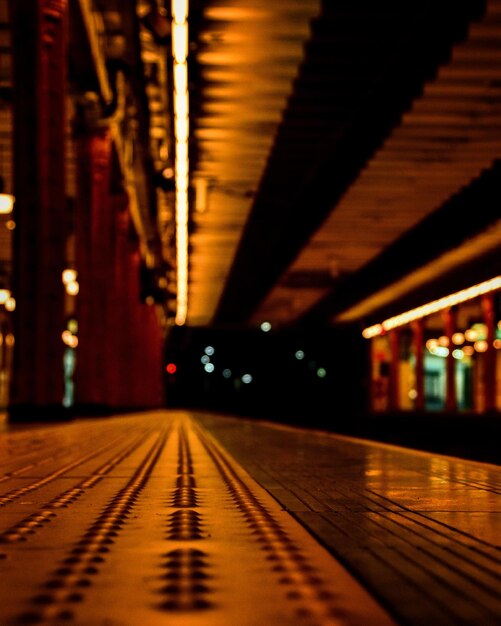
column 39, row 39
column 418, row 342
column 449, row 318
column 95, row 265
column 394, row 370
column 489, row 371
column 123, row 325
column 141, row 345
column 117, row 313
column 153, row 342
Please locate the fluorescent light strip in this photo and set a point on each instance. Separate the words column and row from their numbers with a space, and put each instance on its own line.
column 179, row 10
column 433, row 307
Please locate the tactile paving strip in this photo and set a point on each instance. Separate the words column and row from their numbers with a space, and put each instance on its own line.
column 168, row 529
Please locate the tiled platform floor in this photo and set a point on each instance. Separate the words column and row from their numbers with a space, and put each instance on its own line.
column 190, row 518
column 421, row 531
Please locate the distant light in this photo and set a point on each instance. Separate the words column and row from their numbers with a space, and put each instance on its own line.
column 171, row 368
column 9, row 340
column 180, row 41
column 10, row 304
column 321, row 373
column 496, row 342
column 412, row 394
column 433, row 307
column 299, row 354
column 481, row 329
column 227, row 373
column 69, row 339
column 6, row 203
column 458, row 339
column 440, row 351
column 181, row 128
column 180, row 77
column 481, row 345
column 265, row 327
column 431, row 344
column 458, row 354
column 209, row 367
column 373, row 331
column 205, row 359
column 246, row 378
column 209, row 350
column 468, row 350
column 69, row 276
column 443, row 340
column 179, row 10
column 471, row 334
column 73, row 325
column 4, row 295
column 180, row 49
column 72, row 288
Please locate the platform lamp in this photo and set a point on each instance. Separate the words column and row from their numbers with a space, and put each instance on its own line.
column 4, row 294
column 7, row 301
column 6, row 199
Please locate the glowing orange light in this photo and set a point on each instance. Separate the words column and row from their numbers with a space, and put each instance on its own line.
column 471, row 334
column 433, row 307
column 4, row 295
column 171, row 368
column 6, row 203
column 72, row 288
column 180, row 48
column 10, row 304
column 69, row 275
column 431, row 344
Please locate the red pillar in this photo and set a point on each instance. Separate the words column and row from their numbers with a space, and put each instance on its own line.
column 39, row 39
column 95, row 266
column 449, row 317
column 153, row 342
column 418, row 341
column 489, row 371
column 394, row 369
column 122, row 328
column 117, row 322
column 141, row 346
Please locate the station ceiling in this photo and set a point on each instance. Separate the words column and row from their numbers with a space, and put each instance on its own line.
column 351, row 151
column 344, row 155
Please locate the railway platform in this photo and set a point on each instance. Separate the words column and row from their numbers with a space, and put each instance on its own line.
column 197, row 519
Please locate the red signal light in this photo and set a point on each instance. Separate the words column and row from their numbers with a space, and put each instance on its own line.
column 171, row 368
